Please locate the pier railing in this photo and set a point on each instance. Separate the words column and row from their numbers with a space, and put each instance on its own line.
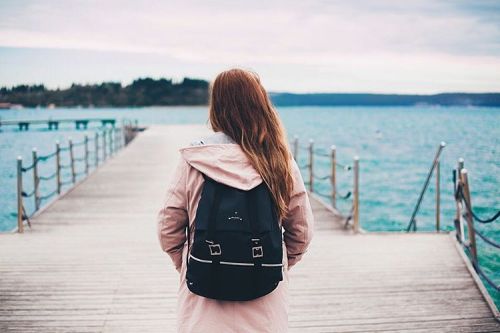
column 466, row 232
column 435, row 167
column 333, row 196
column 97, row 149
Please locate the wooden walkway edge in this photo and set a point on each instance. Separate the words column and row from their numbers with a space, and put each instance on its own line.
column 92, row 263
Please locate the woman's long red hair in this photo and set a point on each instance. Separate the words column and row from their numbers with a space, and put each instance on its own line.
column 240, row 108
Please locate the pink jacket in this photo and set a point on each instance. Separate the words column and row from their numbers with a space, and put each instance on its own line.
column 226, row 163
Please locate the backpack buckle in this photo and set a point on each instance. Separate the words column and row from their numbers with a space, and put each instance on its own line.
column 215, row 249
column 257, row 252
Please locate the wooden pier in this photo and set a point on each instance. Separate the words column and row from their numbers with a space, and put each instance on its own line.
column 92, row 263
column 53, row 124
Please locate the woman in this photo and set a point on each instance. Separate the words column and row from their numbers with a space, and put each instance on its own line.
column 248, row 147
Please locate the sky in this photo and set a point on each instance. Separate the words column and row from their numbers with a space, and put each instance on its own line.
column 426, row 46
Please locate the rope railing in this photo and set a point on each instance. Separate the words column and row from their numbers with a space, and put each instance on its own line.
column 44, row 158
column 81, row 173
column 325, row 177
column 52, row 176
column 486, row 239
column 105, row 142
column 331, row 178
column 463, row 202
column 28, row 194
column 65, row 166
column 48, row 196
column 66, row 182
column 460, row 194
column 28, row 168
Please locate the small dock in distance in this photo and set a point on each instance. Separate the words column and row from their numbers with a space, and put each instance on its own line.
column 92, row 263
column 53, row 124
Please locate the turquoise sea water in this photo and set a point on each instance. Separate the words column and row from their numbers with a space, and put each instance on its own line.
column 396, row 146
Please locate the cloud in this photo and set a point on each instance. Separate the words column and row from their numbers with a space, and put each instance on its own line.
column 337, row 37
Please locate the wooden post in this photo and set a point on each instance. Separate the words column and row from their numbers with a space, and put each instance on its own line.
column 333, row 176
column 36, row 192
column 459, row 207
column 111, row 141
column 86, row 142
column 120, row 137
column 58, row 167
column 438, row 195
column 470, row 219
column 356, row 195
column 72, row 160
column 96, row 148
column 104, row 145
column 116, row 140
column 295, row 147
column 311, row 165
column 20, row 225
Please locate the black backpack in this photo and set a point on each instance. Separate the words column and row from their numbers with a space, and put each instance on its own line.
column 237, row 253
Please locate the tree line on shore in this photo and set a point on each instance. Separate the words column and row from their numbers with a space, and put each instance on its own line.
column 141, row 92
column 149, row 92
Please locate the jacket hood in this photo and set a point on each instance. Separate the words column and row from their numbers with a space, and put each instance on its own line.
column 224, row 163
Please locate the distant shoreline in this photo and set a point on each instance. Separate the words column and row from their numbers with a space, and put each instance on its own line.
column 146, row 92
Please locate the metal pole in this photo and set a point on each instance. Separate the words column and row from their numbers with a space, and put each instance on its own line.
column 86, row 141
column 311, row 165
column 58, row 167
column 96, row 142
column 356, row 195
column 460, row 166
column 72, row 161
column 111, row 141
column 104, row 145
column 333, row 177
column 20, row 225
column 438, row 195
column 115, row 140
column 36, row 181
column 470, row 220
column 295, row 147
column 413, row 222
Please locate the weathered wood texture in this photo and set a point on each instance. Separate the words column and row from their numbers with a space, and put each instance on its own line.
column 92, row 263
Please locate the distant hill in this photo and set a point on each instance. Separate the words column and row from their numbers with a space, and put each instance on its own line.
column 446, row 99
column 148, row 92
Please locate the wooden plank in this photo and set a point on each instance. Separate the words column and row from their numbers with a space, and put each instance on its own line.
column 92, row 263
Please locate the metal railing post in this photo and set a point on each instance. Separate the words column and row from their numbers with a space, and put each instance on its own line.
column 20, row 225
column 96, row 148
column 72, row 161
column 104, row 145
column 458, row 216
column 110, row 132
column 333, row 176
column 295, row 147
column 470, row 220
column 412, row 225
column 438, row 195
column 356, row 195
column 311, row 165
column 86, row 143
column 58, row 167
column 36, row 192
